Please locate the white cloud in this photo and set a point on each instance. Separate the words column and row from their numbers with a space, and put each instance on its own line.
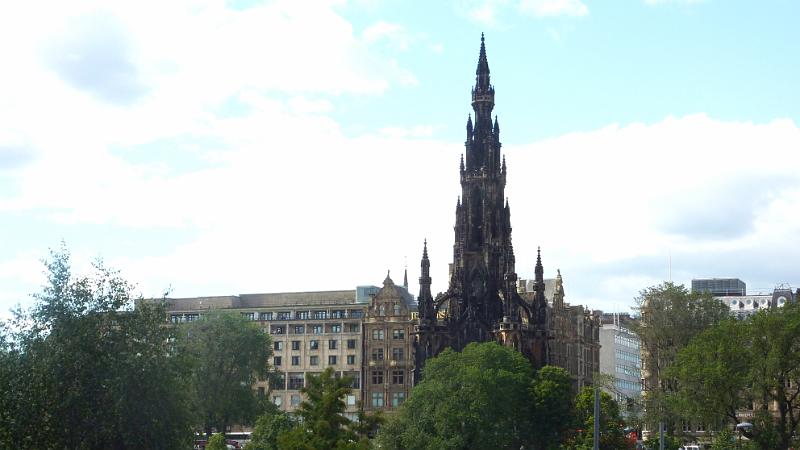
column 614, row 202
column 484, row 12
column 393, row 33
column 550, row 8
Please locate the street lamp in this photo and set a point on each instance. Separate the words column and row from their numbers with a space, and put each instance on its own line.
column 743, row 427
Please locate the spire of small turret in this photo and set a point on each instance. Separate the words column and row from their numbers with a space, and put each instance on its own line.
column 482, row 72
column 496, row 125
column 405, row 276
column 388, row 279
column 425, row 299
column 461, row 166
column 558, row 291
column 539, row 269
column 469, row 126
column 504, row 163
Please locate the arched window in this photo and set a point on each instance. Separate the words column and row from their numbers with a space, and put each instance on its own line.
column 381, row 310
column 396, row 309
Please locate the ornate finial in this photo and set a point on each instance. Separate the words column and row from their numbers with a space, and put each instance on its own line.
column 482, row 71
column 504, row 165
column 506, row 202
column 425, row 248
column 559, row 273
column 405, row 276
column 496, row 125
column 539, row 271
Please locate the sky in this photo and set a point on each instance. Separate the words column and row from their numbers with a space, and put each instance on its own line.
column 226, row 147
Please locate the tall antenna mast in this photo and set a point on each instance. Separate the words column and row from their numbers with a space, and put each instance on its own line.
column 670, row 266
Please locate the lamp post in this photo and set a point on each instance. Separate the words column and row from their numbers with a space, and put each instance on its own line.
column 743, row 427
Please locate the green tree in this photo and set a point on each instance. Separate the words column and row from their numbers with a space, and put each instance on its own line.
column 88, row 371
column 724, row 440
column 775, row 373
column 268, row 426
column 713, row 373
column 551, row 396
column 612, row 435
column 217, row 442
column 670, row 317
column 477, row 398
column 321, row 423
column 228, row 355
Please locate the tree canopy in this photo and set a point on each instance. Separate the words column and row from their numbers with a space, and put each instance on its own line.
column 552, row 407
column 670, row 317
column 612, row 436
column 321, row 423
column 83, row 369
column 477, row 398
column 742, row 362
column 228, row 354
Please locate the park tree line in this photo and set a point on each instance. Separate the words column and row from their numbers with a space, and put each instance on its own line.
column 707, row 366
column 91, row 366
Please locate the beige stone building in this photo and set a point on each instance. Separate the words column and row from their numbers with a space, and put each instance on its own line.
column 364, row 334
column 310, row 331
column 388, row 348
column 573, row 332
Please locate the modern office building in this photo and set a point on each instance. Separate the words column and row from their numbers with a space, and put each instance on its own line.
column 720, row 286
column 620, row 359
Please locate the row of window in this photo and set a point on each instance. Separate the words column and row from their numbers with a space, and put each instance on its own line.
column 629, row 357
column 180, row 318
column 626, row 385
column 626, row 341
column 397, row 354
column 305, row 315
column 397, row 334
column 296, row 380
column 398, row 376
column 377, row 398
column 313, row 344
column 687, row 427
column 313, row 360
column 396, row 309
column 316, row 328
column 397, row 399
column 628, row 370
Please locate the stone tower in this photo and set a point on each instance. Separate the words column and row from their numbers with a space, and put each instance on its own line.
column 481, row 303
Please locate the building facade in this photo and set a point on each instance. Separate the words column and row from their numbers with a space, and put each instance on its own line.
column 620, row 359
column 310, row 331
column 481, row 303
column 572, row 330
column 720, row 286
column 388, row 348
